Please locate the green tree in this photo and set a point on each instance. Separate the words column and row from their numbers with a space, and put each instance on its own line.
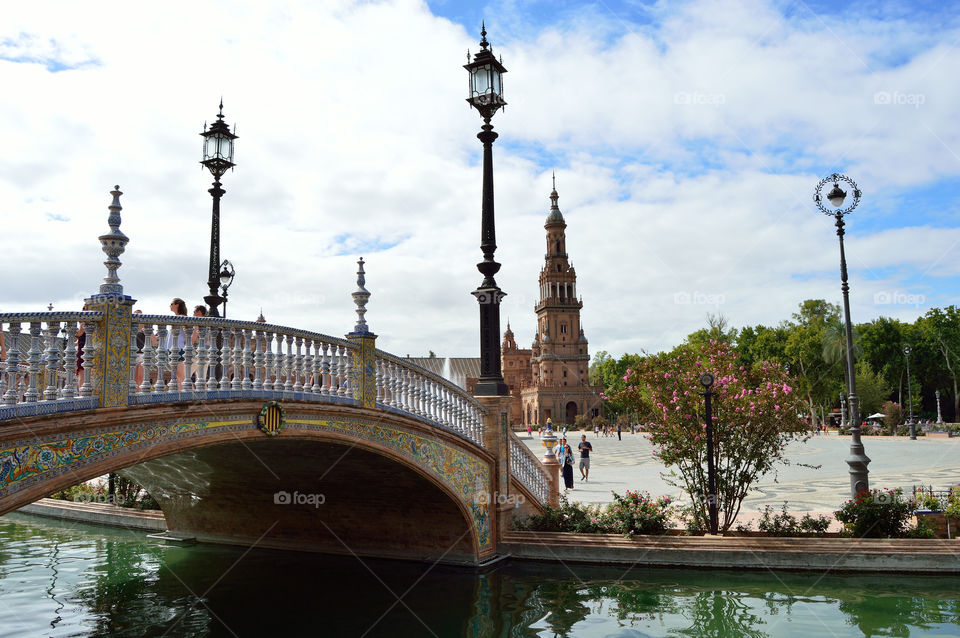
column 942, row 329
column 872, row 389
column 816, row 379
column 718, row 329
column 755, row 414
column 609, row 373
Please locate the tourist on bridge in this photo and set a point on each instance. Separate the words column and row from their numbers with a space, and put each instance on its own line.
column 179, row 307
column 585, row 449
column 566, row 463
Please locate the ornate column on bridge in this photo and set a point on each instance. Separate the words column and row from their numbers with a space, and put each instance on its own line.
column 363, row 380
column 110, row 344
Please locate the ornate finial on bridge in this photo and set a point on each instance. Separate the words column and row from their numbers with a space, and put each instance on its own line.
column 113, row 244
column 360, row 297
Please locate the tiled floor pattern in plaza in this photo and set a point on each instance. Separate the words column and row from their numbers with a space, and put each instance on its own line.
column 895, row 462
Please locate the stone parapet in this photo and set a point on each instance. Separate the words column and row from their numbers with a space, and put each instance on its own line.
column 718, row 552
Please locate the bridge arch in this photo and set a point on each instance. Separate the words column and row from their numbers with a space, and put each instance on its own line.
column 439, row 480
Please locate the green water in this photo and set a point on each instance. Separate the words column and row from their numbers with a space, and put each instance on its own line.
column 65, row 579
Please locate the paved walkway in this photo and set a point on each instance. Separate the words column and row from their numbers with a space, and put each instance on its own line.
column 895, row 462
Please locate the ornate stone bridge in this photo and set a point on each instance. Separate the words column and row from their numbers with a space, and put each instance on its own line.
column 259, row 434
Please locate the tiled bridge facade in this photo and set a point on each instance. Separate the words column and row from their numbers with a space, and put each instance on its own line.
column 258, row 434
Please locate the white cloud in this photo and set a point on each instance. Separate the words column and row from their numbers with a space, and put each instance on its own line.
column 686, row 151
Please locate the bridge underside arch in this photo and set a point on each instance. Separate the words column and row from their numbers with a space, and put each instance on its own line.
column 344, row 480
column 308, row 495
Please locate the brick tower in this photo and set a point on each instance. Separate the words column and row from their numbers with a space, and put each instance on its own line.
column 560, row 358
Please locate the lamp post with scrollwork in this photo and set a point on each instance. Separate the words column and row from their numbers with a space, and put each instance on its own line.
column 858, row 460
column 218, row 158
column 486, row 95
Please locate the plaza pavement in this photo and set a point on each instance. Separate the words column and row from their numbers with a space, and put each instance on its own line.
column 895, row 462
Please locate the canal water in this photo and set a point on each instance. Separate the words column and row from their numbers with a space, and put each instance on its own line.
column 66, row 579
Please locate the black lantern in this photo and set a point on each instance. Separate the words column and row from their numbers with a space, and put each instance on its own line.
column 218, row 146
column 486, row 80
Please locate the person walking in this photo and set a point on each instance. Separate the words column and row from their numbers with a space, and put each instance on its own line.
column 585, row 449
column 566, row 462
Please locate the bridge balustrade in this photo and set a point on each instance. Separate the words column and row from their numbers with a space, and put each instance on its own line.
column 39, row 367
column 208, row 358
column 409, row 388
column 527, row 468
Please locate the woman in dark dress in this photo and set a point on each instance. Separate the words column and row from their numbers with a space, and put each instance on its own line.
column 567, row 462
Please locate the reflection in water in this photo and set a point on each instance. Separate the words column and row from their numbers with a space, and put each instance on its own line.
column 62, row 579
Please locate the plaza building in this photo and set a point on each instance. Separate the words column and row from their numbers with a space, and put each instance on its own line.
column 549, row 380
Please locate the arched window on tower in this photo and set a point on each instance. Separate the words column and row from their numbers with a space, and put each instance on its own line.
column 558, row 267
column 558, row 245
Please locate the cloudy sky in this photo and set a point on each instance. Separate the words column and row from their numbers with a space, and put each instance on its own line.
column 687, row 138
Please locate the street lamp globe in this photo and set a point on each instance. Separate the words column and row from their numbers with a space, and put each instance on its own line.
column 836, row 196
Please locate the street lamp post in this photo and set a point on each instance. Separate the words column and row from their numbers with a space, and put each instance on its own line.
column 227, row 273
column 858, row 460
column 218, row 158
column 910, row 423
column 486, row 95
column 939, row 416
column 843, row 410
column 706, row 379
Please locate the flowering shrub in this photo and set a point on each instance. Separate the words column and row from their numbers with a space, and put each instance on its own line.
column 580, row 518
column 754, row 417
column 924, row 501
column 785, row 524
column 635, row 513
column 953, row 503
column 876, row 514
column 639, row 513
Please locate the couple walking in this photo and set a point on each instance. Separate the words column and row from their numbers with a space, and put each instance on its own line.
column 566, row 461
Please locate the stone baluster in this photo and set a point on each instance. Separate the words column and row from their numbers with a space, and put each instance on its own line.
column 408, row 390
column 204, row 353
column 52, row 359
column 298, row 365
column 132, row 368
column 279, row 362
column 221, row 356
column 338, row 362
column 259, row 341
column 268, row 366
column 161, row 359
column 288, row 361
column 237, row 356
column 176, row 336
column 33, row 363
column 70, row 360
column 390, row 384
column 310, row 363
column 89, row 357
column 315, row 366
column 149, row 358
column 325, row 370
column 187, row 332
column 245, row 383
column 378, row 383
column 10, row 396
